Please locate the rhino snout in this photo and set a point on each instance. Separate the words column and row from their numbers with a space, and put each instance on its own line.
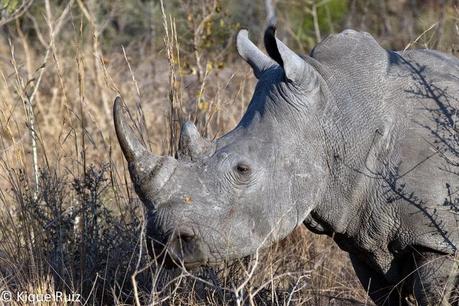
column 181, row 247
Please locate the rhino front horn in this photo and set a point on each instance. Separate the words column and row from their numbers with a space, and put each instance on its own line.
column 192, row 144
column 130, row 145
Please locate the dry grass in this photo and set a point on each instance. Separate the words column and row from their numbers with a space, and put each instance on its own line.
column 69, row 220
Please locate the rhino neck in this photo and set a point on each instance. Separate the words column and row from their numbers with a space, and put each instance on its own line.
column 358, row 144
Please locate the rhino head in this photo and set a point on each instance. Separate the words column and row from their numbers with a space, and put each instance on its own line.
column 227, row 198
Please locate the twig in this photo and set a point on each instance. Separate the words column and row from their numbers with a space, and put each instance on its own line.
column 17, row 13
column 315, row 20
column 419, row 37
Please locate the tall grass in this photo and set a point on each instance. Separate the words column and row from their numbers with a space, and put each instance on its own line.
column 69, row 219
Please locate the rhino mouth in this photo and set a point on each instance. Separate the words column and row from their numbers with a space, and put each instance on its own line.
column 170, row 262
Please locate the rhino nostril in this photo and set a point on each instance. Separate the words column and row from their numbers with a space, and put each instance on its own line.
column 185, row 237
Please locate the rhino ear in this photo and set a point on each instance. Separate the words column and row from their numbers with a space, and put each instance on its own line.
column 191, row 144
column 259, row 61
column 295, row 68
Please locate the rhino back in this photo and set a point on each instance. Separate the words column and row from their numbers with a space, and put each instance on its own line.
column 397, row 114
column 426, row 178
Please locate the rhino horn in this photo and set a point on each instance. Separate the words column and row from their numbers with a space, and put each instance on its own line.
column 191, row 143
column 140, row 160
column 259, row 61
column 130, row 145
column 296, row 69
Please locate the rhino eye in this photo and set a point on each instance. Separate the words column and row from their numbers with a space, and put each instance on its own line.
column 243, row 169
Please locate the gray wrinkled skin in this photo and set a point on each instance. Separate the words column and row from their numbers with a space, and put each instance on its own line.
column 354, row 141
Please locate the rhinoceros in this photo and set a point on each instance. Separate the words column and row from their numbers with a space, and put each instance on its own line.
column 353, row 141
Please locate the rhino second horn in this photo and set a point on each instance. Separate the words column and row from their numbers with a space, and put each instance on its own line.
column 130, row 145
column 191, row 143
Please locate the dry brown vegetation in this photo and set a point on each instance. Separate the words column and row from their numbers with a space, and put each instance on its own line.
column 69, row 220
